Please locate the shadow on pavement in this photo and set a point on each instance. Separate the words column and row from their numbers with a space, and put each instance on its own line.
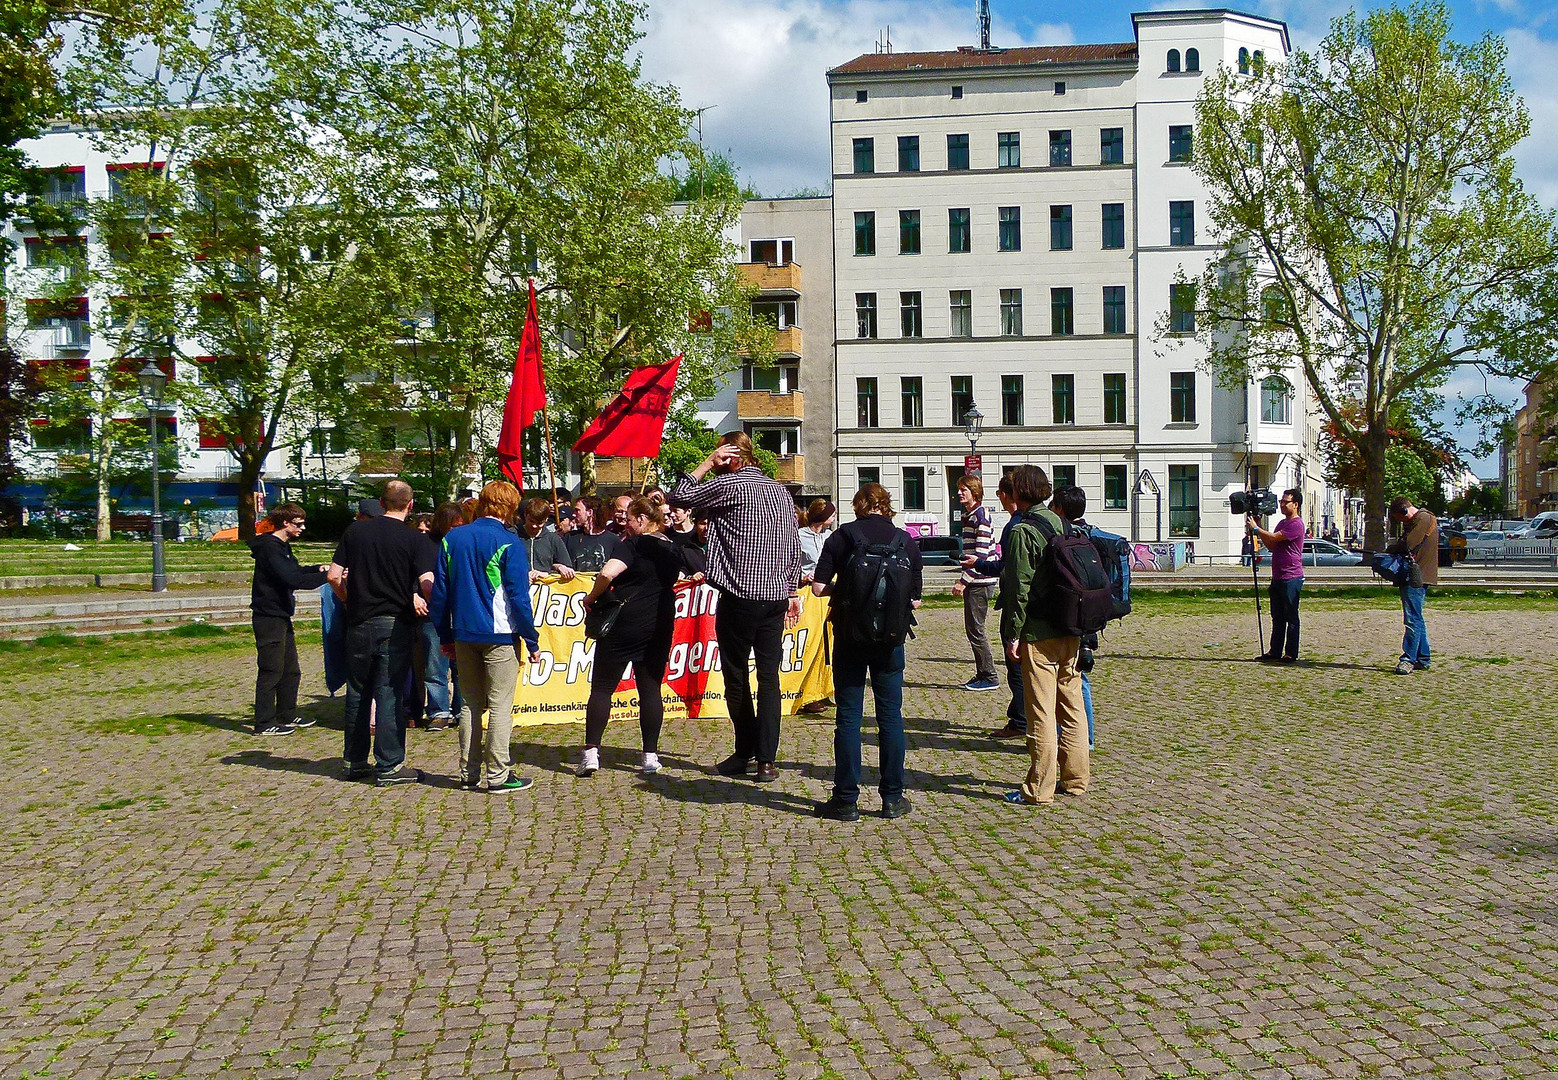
column 1104, row 658
column 212, row 720
column 264, row 759
column 724, row 790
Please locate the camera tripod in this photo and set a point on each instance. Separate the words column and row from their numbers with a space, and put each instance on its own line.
column 1260, row 625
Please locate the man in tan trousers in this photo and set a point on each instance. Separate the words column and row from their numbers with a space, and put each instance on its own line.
column 1052, row 685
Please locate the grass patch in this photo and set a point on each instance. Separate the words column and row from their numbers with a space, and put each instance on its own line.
column 56, row 641
column 198, row 630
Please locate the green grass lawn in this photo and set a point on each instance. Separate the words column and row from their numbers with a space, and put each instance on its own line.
column 21, row 558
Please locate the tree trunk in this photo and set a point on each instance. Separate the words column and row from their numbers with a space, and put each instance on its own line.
column 587, row 474
column 104, row 511
column 248, row 478
column 1375, row 443
column 462, row 451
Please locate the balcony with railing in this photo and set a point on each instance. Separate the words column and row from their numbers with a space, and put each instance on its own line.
column 772, row 278
column 72, row 338
column 791, row 469
column 768, row 405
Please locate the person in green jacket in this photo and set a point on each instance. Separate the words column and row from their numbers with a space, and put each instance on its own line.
column 1052, row 684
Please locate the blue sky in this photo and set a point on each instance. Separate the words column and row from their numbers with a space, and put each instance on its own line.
column 760, row 64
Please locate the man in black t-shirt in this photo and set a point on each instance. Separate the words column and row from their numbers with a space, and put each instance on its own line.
column 590, row 546
column 383, row 570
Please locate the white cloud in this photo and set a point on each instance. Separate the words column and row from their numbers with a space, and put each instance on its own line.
column 763, row 65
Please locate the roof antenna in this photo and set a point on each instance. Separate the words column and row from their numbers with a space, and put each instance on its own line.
column 984, row 25
column 884, row 44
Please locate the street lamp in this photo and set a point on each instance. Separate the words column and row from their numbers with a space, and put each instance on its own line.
column 152, row 383
column 973, row 424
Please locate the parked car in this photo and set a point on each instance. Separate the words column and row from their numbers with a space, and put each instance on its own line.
column 1322, row 553
column 1504, row 525
column 1542, row 527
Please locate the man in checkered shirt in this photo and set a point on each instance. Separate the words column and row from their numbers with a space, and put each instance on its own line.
column 754, row 558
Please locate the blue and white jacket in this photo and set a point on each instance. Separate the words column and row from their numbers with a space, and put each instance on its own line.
column 481, row 587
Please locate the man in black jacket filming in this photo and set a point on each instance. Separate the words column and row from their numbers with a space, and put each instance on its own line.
column 277, row 575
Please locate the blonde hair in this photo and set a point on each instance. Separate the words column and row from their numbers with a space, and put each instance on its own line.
column 873, row 499
column 646, row 507
column 498, row 499
column 743, row 442
column 975, row 487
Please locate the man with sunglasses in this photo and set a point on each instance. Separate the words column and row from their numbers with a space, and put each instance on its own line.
column 1286, row 544
column 277, row 575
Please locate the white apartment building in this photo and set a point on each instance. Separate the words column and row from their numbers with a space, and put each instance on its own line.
column 1008, row 227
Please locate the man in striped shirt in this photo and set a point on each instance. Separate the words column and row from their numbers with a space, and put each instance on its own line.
column 754, row 558
column 973, row 587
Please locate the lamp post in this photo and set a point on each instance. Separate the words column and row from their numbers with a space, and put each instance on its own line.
column 973, row 424
column 152, row 383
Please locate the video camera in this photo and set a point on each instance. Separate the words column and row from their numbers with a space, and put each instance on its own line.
column 1258, row 503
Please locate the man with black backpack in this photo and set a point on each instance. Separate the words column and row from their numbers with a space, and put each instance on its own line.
column 877, row 567
column 1055, row 589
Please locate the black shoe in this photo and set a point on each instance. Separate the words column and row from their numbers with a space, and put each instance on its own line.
column 896, row 808
column 734, row 765
column 833, row 810
column 766, row 773
column 354, row 773
column 1268, row 658
column 1290, row 659
column 401, row 775
column 275, row 729
column 303, row 722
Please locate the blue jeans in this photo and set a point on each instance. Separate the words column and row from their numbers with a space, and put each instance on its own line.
column 851, row 665
column 1414, row 644
column 1284, row 616
column 1087, row 706
column 433, row 671
column 378, row 659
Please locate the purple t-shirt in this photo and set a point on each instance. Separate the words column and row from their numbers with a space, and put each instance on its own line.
column 1287, row 559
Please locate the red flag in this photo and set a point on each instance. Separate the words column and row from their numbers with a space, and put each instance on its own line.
column 634, row 422
column 527, row 396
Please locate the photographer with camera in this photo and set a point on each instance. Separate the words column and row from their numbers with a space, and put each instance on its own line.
column 1286, row 544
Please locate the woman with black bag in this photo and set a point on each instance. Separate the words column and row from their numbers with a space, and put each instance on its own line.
column 641, row 579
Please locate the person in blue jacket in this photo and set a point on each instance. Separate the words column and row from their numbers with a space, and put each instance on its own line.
column 481, row 607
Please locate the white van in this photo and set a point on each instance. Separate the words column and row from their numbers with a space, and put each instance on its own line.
column 1543, row 527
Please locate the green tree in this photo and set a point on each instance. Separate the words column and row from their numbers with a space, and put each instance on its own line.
column 519, row 139
column 1405, row 474
column 711, row 176
column 1375, row 234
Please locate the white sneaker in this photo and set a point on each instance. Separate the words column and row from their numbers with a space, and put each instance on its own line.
column 651, row 764
column 589, row 765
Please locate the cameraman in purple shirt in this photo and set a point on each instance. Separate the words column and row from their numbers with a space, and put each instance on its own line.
column 1286, row 544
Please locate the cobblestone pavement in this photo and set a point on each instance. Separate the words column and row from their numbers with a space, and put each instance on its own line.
column 1312, row 872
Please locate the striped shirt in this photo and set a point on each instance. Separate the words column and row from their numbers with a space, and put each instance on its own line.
column 754, row 552
column 978, row 541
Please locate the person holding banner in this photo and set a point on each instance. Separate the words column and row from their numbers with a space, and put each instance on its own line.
column 754, row 558
column 642, row 578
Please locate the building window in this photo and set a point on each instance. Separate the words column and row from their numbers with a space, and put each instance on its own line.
column 1011, row 313
column 908, row 232
column 1114, row 225
column 1182, row 397
column 1063, row 397
column 779, row 441
column 1116, row 477
column 1011, row 400
column 962, row 397
column 1192, row 60
column 1173, row 60
column 1060, row 228
column 1008, row 150
column 1257, row 62
column 1244, row 61
column 860, row 97
column 1182, row 223
column 913, row 401
column 957, row 93
column 1184, row 500
column 1059, row 148
column 775, row 378
column 908, row 153
column 914, row 487
column 1060, row 88
column 1114, row 309
column 865, row 155
column 1060, row 312
column 865, row 403
column 868, row 476
column 865, row 232
column 1275, row 396
column 1182, row 309
column 957, row 152
column 865, row 314
column 1179, row 142
column 959, row 239
column 1063, row 476
column 911, row 318
column 1111, row 146
column 1114, row 399
column 962, row 306
column 1010, row 218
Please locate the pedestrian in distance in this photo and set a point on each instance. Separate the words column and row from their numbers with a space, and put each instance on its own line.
column 481, row 607
column 642, row 579
column 384, row 572
column 754, row 561
column 548, row 551
column 1419, row 541
column 1052, row 686
column 277, row 575
column 1016, row 718
column 872, row 570
column 1286, row 544
column 975, row 588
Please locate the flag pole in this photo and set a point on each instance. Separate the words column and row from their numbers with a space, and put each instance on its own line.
column 551, row 463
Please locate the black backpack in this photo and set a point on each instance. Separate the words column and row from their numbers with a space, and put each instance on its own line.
column 876, row 601
column 1073, row 590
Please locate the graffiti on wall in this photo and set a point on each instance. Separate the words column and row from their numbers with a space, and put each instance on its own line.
column 1165, row 555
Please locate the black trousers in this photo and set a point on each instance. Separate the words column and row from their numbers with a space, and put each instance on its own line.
column 648, row 674
column 744, row 628
column 276, row 686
